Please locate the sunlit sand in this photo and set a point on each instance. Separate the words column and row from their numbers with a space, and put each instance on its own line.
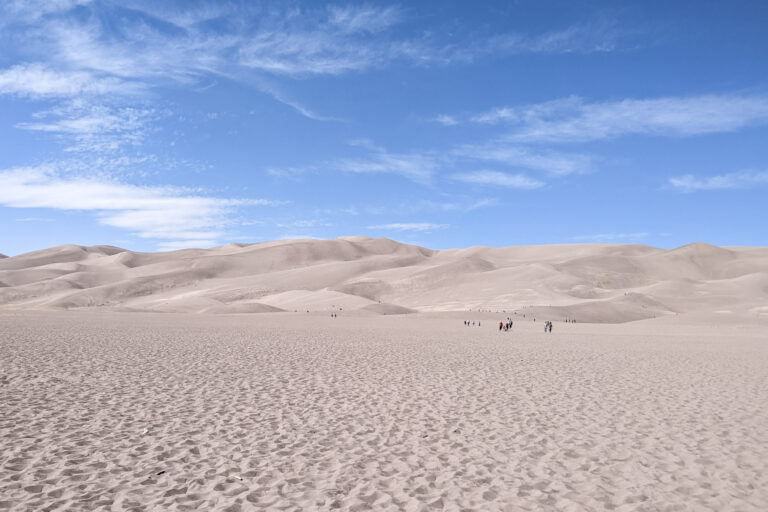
column 108, row 409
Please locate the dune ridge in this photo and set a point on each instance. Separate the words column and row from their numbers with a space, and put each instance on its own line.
column 592, row 282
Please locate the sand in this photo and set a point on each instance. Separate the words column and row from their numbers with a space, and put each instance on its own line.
column 598, row 283
column 289, row 411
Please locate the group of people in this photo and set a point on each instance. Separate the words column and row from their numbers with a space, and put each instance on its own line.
column 508, row 323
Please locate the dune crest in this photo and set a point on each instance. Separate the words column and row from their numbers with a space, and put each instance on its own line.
column 592, row 282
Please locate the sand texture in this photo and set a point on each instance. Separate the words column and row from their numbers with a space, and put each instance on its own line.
column 288, row 411
column 590, row 282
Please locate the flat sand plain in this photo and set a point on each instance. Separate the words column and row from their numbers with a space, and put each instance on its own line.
column 143, row 411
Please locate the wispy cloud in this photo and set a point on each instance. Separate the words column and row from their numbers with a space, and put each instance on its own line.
column 414, row 166
column 575, row 120
column 446, row 120
column 691, row 183
column 517, row 156
column 499, row 179
column 164, row 213
column 409, row 226
column 599, row 36
column 276, row 92
column 424, row 167
column 466, row 205
column 298, row 236
column 32, row 10
column 364, row 18
column 596, row 37
column 34, row 219
column 37, row 80
column 176, row 245
column 154, row 45
column 322, row 42
column 306, row 223
column 157, row 43
column 94, row 128
column 610, row 237
column 496, row 115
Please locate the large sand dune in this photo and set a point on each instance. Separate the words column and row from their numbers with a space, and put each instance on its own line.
column 393, row 404
column 589, row 282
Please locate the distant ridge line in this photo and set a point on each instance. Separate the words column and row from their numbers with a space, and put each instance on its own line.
column 372, row 276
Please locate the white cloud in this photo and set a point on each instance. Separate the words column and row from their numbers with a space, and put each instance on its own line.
column 37, row 80
column 94, row 128
column 284, row 41
column 575, row 121
column 297, row 236
column 496, row 115
column 32, row 10
column 449, row 206
column 609, row 237
column 512, row 155
column 311, row 223
column 84, row 55
column 446, row 120
column 150, row 212
column 277, row 93
column 409, row 226
column 501, row 179
column 363, row 18
column 186, row 244
column 290, row 53
column 597, row 37
column 288, row 172
column 416, row 167
column 690, row 183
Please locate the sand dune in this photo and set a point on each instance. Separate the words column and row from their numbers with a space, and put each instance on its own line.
column 593, row 282
column 654, row 400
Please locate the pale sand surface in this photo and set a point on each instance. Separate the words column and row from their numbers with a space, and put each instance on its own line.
column 600, row 283
column 302, row 412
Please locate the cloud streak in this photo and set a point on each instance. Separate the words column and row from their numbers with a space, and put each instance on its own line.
column 164, row 213
column 37, row 80
column 419, row 168
column 409, row 226
column 517, row 156
column 610, row 237
column 80, row 56
column 739, row 180
column 94, row 128
column 499, row 179
column 575, row 120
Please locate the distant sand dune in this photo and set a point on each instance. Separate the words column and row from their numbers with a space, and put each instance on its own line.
column 592, row 282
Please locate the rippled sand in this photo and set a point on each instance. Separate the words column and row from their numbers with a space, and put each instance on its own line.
column 297, row 412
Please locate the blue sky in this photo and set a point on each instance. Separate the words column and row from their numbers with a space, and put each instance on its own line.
column 165, row 125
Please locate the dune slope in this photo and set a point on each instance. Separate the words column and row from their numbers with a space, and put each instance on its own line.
column 591, row 282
